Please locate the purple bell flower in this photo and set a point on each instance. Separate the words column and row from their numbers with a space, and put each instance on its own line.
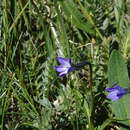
column 65, row 67
column 116, row 92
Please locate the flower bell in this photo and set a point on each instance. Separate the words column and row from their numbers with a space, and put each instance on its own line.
column 116, row 92
column 65, row 67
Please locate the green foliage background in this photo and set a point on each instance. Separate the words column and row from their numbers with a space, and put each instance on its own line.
column 32, row 34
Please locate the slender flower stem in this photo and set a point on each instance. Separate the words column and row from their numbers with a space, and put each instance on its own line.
column 80, row 65
column 91, row 126
column 90, row 76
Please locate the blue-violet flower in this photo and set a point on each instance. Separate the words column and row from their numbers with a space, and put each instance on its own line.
column 116, row 92
column 65, row 67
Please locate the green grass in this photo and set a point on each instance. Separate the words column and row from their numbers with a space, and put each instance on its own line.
column 32, row 34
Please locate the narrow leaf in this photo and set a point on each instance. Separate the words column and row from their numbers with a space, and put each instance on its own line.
column 75, row 17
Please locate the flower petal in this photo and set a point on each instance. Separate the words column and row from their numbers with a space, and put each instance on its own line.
column 63, row 73
column 113, row 96
column 64, row 61
column 114, row 88
column 60, row 68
